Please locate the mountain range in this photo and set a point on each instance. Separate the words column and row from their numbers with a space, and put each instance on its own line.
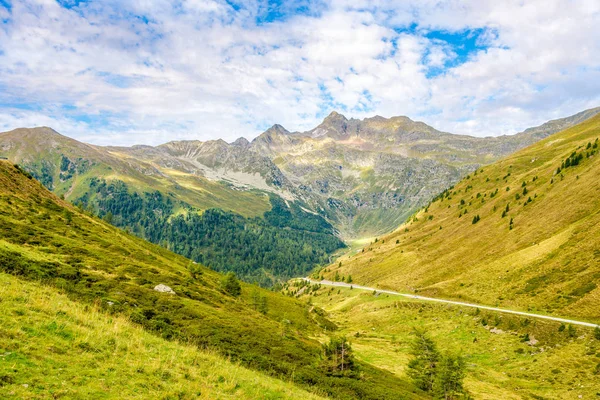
column 272, row 208
column 82, row 298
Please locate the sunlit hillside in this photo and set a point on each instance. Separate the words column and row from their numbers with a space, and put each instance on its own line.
column 521, row 233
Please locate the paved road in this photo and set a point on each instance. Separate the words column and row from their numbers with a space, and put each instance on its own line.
column 458, row 303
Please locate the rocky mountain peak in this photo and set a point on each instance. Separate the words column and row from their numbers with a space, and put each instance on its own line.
column 241, row 142
column 334, row 125
column 276, row 130
column 334, row 116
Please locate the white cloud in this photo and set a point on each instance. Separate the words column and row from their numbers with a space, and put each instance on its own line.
column 152, row 72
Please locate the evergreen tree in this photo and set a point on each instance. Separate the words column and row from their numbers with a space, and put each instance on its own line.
column 231, row 285
column 441, row 375
column 450, row 373
column 263, row 306
column 339, row 359
column 422, row 367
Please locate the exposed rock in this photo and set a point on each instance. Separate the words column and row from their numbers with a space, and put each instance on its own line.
column 164, row 289
column 532, row 341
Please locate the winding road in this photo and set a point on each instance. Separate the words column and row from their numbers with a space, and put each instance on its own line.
column 458, row 303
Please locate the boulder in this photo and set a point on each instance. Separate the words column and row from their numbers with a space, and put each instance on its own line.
column 164, row 289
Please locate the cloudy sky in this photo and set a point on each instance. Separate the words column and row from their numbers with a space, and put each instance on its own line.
column 144, row 71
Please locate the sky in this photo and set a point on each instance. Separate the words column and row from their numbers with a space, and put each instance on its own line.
column 123, row 72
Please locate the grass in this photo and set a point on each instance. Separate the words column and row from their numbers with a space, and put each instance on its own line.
column 53, row 347
column 44, row 239
column 542, row 262
column 500, row 365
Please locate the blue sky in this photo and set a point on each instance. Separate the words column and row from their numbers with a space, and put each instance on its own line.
column 125, row 72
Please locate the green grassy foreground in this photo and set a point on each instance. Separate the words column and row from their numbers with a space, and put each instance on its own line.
column 46, row 240
column 53, row 347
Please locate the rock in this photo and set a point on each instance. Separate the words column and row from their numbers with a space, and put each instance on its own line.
column 496, row 331
column 532, row 341
column 164, row 289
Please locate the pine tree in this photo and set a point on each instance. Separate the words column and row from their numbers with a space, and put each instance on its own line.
column 263, row 307
column 231, row 285
column 422, row 367
column 450, row 373
column 339, row 358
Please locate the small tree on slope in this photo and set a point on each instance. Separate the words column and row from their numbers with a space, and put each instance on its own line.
column 231, row 285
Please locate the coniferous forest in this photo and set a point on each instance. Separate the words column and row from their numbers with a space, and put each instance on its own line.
column 286, row 242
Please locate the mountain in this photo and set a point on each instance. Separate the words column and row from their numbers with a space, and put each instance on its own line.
column 521, row 233
column 272, row 208
column 213, row 202
column 114, row 278
column 369, row 175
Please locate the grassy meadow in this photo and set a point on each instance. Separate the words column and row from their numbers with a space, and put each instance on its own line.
column 554, row 363
column 54, row 347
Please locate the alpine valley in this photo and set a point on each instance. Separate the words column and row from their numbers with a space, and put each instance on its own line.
column 273, row 208
column 506, row 255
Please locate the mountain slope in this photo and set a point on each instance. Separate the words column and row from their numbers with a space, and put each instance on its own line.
column 373, row 173
column 45, row 239
column 55, row 347
column 520, row 233
column 65, row 166
column 150, row 191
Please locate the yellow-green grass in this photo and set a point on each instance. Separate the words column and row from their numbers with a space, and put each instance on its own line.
column 52, row 347
column 550, row 260
column 499, row 365
column 45, row 239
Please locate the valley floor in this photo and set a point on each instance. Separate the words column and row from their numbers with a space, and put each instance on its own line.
column 508, row 356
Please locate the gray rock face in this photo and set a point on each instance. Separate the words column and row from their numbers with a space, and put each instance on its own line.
column 164, row 289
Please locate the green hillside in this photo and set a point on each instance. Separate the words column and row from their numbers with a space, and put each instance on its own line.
column 53, row 347
column 507, row 356
column 65, row 166
column 522, row 233
column 256, row 234
column 44, row 239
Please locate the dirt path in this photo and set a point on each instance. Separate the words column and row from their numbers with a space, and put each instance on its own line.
column 458, row 303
